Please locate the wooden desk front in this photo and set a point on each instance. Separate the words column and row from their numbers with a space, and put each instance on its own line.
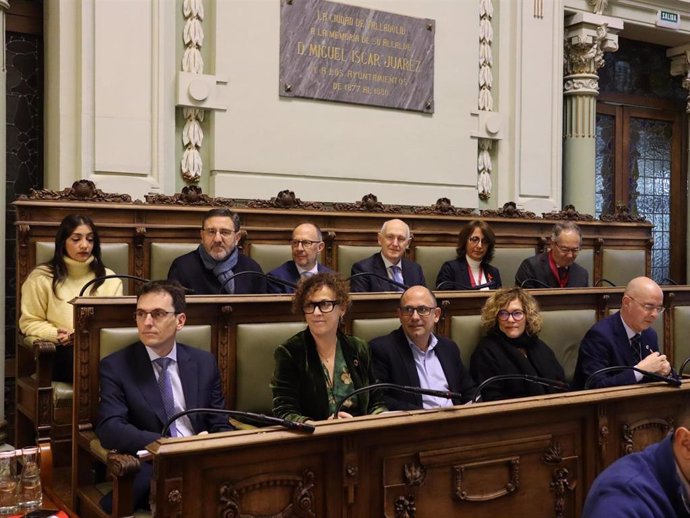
column 532, row 457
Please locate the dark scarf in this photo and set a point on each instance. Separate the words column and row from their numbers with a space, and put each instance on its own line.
column 223, row 270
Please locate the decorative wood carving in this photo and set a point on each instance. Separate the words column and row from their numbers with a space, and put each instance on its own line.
column 191, row 164
column 651, row 430
column 139, row 236
column 83, row 316
column 445, row 207
column 553, row 454
column 285, row 199
column 569, row 213
column 414, row 474
column 191, row 195
column 301, row 504
column 604, row 431
column 23, row 232
column 460, row 473
column 622, row 214
column 561, row 485
column 405, row 507
column 509, row 210
column 81, row 190
column 121, row 464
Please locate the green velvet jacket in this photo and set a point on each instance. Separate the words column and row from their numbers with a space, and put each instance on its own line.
column 299, row 384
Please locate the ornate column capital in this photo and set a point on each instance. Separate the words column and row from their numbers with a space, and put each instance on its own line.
column 587, row 37
column 680, row 66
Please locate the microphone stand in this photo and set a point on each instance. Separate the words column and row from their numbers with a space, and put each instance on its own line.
column 674, row 382
column 535, row 281
column 524, row 377
column 113, row 276
column 401, row 388
column 682, row 367
column 383, row 278
column 248, row 416
column 478, row 287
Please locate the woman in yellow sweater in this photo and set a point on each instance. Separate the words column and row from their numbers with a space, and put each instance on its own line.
column 46, row 312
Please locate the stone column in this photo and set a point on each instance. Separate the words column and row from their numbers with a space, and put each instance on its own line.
column 4, row 6
column 587, row 37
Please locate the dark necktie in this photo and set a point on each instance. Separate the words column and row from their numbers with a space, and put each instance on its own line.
column 165, row 386
column 562, row 272
column 397, row 276
column 636, row 348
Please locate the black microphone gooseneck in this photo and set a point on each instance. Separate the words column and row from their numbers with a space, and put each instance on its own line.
column 382, row 277
column 269, row 278
column 462, row 286
column 682, row 367
column 598, row 283
column 556, row 384
column 674, row 382
column 259, row 418
column 401, row 388
column 113, row 276
column 668, row 280
column 540, row 284
column 278, row 280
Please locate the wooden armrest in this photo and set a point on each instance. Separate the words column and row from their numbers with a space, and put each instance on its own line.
column 122, row 464
column 38, row 345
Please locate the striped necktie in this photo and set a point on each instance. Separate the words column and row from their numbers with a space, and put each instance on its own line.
column 165, row 386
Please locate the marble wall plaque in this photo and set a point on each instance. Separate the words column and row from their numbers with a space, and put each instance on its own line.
column 336, row 52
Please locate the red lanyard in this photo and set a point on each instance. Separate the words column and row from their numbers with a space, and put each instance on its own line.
column 472, row 281
column 554, row 269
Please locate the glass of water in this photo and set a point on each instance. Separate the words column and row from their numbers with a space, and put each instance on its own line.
column 8, row 483
column 30, row 494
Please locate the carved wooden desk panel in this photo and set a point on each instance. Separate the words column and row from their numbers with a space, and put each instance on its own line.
column 532, row 457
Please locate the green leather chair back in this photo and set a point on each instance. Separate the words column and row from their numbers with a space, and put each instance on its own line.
column 563, row 331
column 466, row 331
column 508, row 260
column 620, row 266
column 113, row 339
column 348, row 255
column 681, row 332
column 163, row 254
column 369, row 328
column 431, row 258
column 268, row 256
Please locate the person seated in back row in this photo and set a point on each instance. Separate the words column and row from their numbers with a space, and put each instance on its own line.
column 471, row 269
column 370, row 274
column 555, row 268
column 216, row 266
column 306, row 244
column 413, row 356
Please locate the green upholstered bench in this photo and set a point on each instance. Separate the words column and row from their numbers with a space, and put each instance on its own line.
column 681, row 332
column 369, row 328
column 563, row 331
column 269, row 256
column 508, row 260
column 348, row 255
column 163, row 254
column 620, row 266
column 431, row 258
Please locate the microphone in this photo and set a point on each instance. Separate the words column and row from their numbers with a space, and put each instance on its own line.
column 477, row 287
column 401, row 388
column 540, row 284
column 674, row 382
column 246, row 416
column 113, row 276
column 556, row 384
column 382, row 277
column 269, row 278
column 682, row 367
column 278, row 280
column 604, row 280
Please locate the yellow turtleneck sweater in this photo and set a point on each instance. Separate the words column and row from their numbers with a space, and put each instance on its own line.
column 43, row 312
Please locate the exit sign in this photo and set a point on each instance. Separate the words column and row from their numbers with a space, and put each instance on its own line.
column 667, row 19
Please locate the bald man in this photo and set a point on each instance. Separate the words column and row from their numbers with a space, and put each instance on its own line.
column 389, row 263
column 654, row 482
column 625, row 338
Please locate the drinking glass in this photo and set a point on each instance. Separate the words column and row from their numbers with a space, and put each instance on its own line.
column 8, row 483
column 30, row 494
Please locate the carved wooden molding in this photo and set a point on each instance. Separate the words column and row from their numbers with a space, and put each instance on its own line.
column 510, row 210
column 561, row 486
column 661, row 426
column 443, row 206
column 84, row 395
column 460, row 473
column 569, row 213
column 553, row 454
column 121, row 464
column 414, row 473
column 301, row 504
column 81, row 190
column 405, row 507
column 622, row 214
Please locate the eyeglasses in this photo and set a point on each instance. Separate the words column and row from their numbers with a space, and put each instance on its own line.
column 422, row 311
column 325, row 306
column 505, row 315
column 566, row 250
column 225, row 233
column 156, row 314
column 649, row 308
column 391, row 238
column 306, row 243
column 475, row 240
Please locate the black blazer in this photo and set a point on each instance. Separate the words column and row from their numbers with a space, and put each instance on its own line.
column 537, row 267
column 394, row 363
column 411, row 271
column 455, row 275
column 288, row 272
column 131, row 413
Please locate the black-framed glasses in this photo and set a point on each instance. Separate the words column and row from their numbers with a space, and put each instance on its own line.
column 225, row 233
column 306, row 243
column 156, row 314
column 325, row 306
column 422, row 311
column 475, row 240
column 517, row 315
column 568, row 250
column 649, row 307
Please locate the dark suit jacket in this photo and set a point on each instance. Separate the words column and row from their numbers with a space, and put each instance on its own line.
column 394, row 363
column 411, row 271
column 131, row 413
column 188, row 270
column 299, row 384
column 455, row 276
column 288, row 272
column 537, row 267
column 606, row 344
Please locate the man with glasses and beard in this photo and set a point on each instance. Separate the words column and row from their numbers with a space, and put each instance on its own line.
column 625, row 338
column 413, row 356
column 217, row 266
column 555, row 268
column 306, row 244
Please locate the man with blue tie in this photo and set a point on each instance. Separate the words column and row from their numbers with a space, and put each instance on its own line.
column 143, row 385
column 370, row 274
column 306, row 244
